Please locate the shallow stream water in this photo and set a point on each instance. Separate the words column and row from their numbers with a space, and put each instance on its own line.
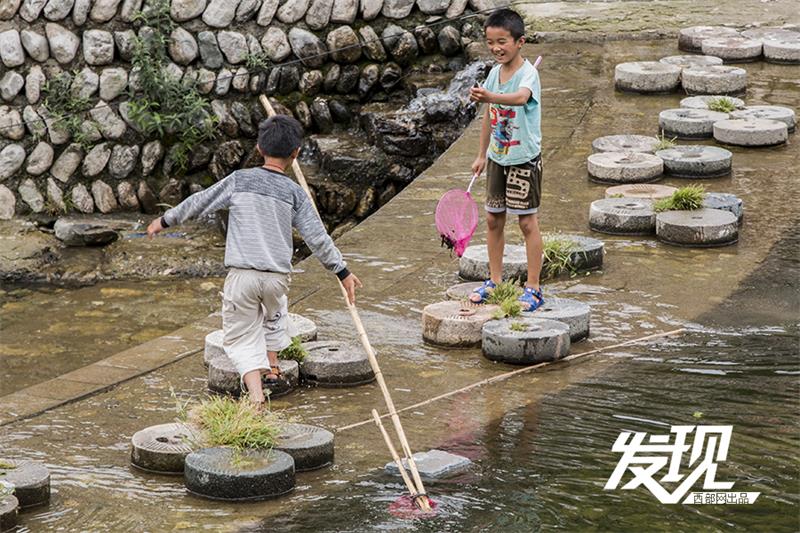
column 541, row 442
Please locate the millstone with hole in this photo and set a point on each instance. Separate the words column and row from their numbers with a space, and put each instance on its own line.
column 535, row 340
column 311, row 447
column 587, row 253
column 162, row 449
column 474, row 264
column 31, row 481
column 782, row 50
column 625, row 143
column 696, row 161
column 691, row 39
column 336, row 364
column 622, row 216
column 769, row 112
column 452, row 323
column 697, row 228
column 687, row 123
column 733, row 49
column 218, row 474
column 726, row 202
column 573, row 313
column 624, row 167
column 751, row 132
column 647, row 77
column 702, row 102
column 9, row 507
column 716, row 79
column 462, row 291
column 224, row 378
column 691, row 61
column 640, row 191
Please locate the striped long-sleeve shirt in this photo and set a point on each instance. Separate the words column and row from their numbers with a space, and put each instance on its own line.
column 264, row 206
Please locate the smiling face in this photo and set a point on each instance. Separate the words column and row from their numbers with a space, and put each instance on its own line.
column 502, row 44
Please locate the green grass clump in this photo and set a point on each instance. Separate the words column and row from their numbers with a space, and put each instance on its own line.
column 518, row 326
column 294, row 352
column 238, row 424
column 664, row 142
column 508, row 309
column 6, row 465
column 684, row 199
column 557, row 256
column 506, row 295
column 722, row 104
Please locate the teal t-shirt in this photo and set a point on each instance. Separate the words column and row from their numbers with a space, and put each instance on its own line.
column 516, row 135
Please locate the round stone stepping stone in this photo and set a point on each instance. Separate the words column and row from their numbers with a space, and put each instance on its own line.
column 218, row 474
column 573, row 313
column 8, row 513
column 336, row 364
column 624, row 167
column 641, row 191
column 462, row 291
column 691, row 61
column 224, row 378
column 587, row 253
column 311, row 447
column 162, row 449
column 782, row 50
column 474, row 264
column 726, row 202
column 625, row 143
column 733, row 49
column 716, row 79
column 691, row 39
column 525, row 340
column 696, row 161
column 689, row 123
column 31, row 481
column 702, row 102
column 697, row 228
column 451, row 323
column 770, row 112
column 751, row 132
column 647, row 77
column 770, row 33
column 622, row 216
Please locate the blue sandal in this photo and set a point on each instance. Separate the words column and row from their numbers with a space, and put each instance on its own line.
column 484, row 291
column 531, row 298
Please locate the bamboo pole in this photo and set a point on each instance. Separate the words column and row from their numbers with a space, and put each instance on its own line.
column 409, row 484
column 373, row 361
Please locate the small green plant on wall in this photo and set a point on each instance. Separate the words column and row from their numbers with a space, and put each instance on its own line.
column 66, row 108
column 165, row 107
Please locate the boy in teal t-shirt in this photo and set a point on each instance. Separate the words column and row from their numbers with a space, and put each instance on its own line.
column 510, row 151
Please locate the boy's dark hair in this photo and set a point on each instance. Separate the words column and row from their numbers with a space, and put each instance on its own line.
column 507, row 19
column 279, row 136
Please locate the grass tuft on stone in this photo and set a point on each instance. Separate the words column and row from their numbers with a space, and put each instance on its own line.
column 664, row 142
column 684, row 199
column 235, row 423
column 506, row 295
column 519, row 327
column 722, row 105
column 557, row 253
column 294, row 352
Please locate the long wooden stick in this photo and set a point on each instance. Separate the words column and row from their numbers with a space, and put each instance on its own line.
column 507, row 375
column 373, row 361
column 409, row 484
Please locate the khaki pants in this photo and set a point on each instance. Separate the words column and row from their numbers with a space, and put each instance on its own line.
column 255, row 317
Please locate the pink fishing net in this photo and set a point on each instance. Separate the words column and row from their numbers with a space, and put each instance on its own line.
column 456, row 219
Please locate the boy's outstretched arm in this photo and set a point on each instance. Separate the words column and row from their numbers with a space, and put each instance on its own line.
column 214, row 198
column 486, row 130
column 310, row 226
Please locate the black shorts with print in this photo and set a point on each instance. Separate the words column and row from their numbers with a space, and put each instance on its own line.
column 515, row 188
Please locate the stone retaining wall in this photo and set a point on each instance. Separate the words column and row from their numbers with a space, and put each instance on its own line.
column 329, row 57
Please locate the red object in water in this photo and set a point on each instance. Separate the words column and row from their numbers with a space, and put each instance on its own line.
column 457, row 218
column 404, row 507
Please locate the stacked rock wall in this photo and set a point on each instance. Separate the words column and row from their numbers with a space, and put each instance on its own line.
column 322, row 59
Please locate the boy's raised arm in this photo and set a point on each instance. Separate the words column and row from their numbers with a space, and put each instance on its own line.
column 214, row 198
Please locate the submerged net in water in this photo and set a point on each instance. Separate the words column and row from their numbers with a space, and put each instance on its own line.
column 456, row 219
